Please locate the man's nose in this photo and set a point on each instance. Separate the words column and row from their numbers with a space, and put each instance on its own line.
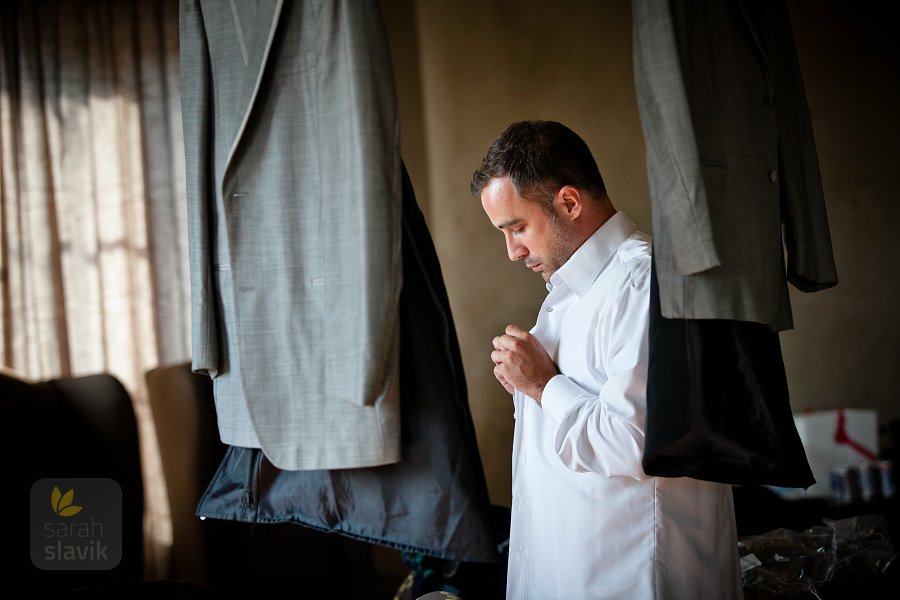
column 515, row 250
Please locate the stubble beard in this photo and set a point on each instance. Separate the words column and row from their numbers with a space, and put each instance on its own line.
column 560, row 248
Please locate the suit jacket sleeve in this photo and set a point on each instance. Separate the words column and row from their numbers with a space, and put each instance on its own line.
column 807, row 235
column 195, row 97
column 673, row 164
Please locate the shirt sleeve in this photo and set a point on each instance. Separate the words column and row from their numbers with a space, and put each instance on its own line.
column 604, row 433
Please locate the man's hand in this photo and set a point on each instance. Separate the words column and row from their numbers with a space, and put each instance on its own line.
column 520, row 362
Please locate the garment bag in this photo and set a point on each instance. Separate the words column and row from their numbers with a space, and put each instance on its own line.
column 718, row 406
column 434, row 502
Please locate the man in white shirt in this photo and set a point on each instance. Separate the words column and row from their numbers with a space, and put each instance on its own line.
column 587, row 522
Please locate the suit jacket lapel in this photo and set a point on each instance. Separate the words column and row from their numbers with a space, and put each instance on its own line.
column 257, row 35
column 757, row 44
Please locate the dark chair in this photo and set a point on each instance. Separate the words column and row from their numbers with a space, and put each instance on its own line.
column 62, row 430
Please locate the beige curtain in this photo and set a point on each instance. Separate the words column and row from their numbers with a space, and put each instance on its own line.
column 93, row 243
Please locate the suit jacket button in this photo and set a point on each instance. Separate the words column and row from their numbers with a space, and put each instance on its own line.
column 773, row 175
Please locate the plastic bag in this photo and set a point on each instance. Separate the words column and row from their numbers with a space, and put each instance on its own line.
column 783, row 561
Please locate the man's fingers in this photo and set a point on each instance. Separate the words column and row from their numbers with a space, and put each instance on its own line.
column 496, row 343
column 506, row 385
column 515, row 331
column 510, row 338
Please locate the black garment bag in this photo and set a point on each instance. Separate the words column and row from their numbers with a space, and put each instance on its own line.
column 718, row 407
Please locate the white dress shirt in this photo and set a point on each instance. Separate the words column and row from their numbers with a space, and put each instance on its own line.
column 587, row 522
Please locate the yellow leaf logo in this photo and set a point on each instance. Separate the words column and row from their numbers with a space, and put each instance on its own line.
column 62, row 503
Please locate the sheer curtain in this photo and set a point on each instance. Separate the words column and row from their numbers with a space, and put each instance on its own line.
column 93, row 243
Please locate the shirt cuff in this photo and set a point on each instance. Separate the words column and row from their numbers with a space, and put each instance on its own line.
column 560, row 396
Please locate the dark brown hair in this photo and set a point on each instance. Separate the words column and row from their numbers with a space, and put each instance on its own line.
column 539, row 157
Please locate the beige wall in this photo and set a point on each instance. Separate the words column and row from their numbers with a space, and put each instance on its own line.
column 468, row 68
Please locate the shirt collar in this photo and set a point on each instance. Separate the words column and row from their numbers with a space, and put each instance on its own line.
column 589, row 260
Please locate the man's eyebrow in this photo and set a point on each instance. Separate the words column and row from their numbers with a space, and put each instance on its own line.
column 509, row 223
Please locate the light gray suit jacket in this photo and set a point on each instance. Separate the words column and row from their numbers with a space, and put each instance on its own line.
column 732, row 166
column 293, row 180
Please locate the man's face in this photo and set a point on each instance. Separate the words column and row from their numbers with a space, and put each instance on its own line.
column 544, row 243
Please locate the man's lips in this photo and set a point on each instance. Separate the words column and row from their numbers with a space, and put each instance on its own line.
column 534, row 267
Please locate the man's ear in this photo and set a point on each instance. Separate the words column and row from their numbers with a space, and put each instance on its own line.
column 569, row 201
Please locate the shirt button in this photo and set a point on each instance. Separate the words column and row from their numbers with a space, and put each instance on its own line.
column 773, row 175
column 549, row 309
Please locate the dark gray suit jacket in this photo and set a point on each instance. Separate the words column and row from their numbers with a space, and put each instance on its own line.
column 732, row 166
